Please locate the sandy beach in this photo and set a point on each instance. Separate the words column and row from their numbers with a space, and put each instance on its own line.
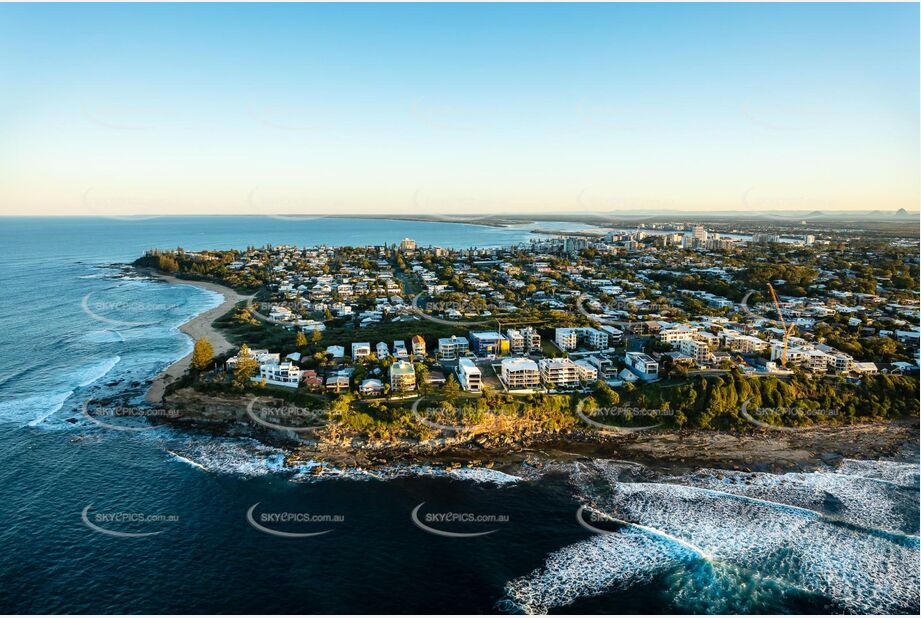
column 197, row 327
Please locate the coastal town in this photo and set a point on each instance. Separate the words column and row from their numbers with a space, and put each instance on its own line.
column 564, row 314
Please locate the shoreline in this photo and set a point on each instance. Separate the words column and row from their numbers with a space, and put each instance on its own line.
column 670, row 451
column 196, row 327
column 667, row 451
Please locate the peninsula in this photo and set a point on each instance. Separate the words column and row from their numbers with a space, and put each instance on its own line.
column 579, row 344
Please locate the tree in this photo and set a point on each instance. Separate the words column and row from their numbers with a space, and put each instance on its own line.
column 451, row 387
column 202, row 355
column 300, row 340
column 316, row 336
column 247, row 366
column 606, row 395
column 422, row 377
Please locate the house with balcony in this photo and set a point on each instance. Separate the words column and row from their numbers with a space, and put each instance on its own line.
column 361, row 351
column 285, row 374
column 418, row 344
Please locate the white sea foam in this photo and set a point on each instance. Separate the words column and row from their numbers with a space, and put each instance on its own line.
column 862, row 572
column 242, row 457
column 856, row 500
column 307, row 473
column 777, row 544
column 91, row 373
column 483, row 475
column 603, row 563
column 32, row 410
column 103, row 336
column 906, row 474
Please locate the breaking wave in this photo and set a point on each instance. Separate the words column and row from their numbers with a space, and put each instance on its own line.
column 905, row 474
column 32, row 410
column 601, row 564
column 813, row 534
column 96, row 371
column 308, row 472
column 243, row 457
column 852, row 499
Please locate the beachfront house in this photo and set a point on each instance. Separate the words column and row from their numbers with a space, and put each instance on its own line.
column 285, row 374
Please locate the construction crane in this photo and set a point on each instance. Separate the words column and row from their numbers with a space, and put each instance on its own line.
column 783, row 323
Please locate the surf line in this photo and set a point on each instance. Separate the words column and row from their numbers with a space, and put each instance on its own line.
column 779, row 506
column 191, row 462
column 889, row 535
column 698, row 551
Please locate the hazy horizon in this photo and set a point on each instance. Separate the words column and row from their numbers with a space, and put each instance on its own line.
column 459, row 109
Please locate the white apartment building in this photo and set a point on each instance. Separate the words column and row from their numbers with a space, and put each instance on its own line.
column 515, row 341
column 594, row 338
column 642, row 364
column 531, row 338
column 743, row 344
column 697, row 349
column 842, row 362
column 402, row 377
column 452, row 347
column 523, row 341
column 604, row 366
column 558, row 372
column 615, row 335
column 279, row 374
column 399, row 350
column 518, row 373
column 469, row 375
column 815, row 358
column 677, row 332
column 587, row 371
column 567, row 338
column 382, row 350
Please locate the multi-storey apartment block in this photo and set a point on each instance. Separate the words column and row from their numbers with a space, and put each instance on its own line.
column 567, row 339
column 469, row 375
column 452, row 347
column 402, row 377
column 520, row 373
column 560, row 372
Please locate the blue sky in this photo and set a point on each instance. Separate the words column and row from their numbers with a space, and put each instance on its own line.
column 458, row 108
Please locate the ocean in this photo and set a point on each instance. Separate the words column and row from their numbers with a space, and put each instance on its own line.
column 104, row 521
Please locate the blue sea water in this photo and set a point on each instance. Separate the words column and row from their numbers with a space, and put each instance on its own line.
column 75, row 328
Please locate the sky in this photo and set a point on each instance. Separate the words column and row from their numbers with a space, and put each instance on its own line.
column 453, row 109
